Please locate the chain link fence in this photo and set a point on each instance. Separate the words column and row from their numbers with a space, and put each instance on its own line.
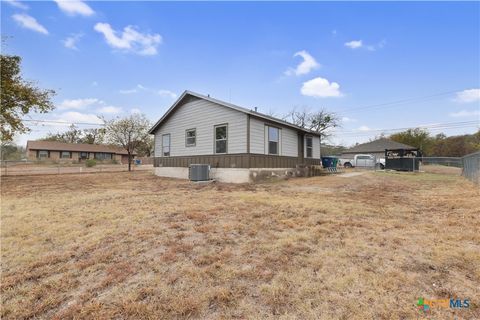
column 471, row 167
column 27, row 167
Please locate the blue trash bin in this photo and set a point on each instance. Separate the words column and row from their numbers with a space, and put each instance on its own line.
column 328, row 162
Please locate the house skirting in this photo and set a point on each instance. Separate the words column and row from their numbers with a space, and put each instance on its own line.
column 239, row 160
column 237, row 175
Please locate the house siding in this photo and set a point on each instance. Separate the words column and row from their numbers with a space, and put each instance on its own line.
column 288, row 139
column 203, row 116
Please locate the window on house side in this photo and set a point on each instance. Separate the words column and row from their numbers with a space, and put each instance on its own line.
column 65, row 154
column 273, row 137
column 43, row 153
column 309, row 141
column 166, row 145
column 221, row 137
column 190, row 137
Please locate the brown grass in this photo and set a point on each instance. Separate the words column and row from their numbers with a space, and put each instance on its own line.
column 135, row 246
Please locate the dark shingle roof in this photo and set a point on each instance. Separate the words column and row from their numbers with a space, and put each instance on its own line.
column 79, row 147
column 378, row 146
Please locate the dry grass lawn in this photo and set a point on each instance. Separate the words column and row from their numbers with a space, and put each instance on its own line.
column 135, row 246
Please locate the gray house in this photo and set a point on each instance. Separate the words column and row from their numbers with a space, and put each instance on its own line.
column 239, row 144
column 376, row 148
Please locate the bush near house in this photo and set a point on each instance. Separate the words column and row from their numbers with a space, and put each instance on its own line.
column 90, row 163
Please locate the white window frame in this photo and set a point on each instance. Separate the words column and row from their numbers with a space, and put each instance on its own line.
column 215, row 140
column 47, row 155
column 307, row 147
column 169, row 145
column 69, row 154
column 194, row 130
column 268, row 140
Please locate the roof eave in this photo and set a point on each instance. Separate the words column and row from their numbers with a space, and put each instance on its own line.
column 228, row 105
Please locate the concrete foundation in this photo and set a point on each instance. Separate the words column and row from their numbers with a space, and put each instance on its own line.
column 237, row 175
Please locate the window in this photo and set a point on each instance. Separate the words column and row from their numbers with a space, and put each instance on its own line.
column 309, row 142
column 190, row 137
column 65, row 154
column 166, row 145
column 273, row 137
column 83, row 155
column 103, row 156
column 221, row 136
column 43, row 154
column 364, row 157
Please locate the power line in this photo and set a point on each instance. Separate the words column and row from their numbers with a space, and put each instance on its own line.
column 427, row 126
column 397, row 102
column 63, row 122
column 473, row 124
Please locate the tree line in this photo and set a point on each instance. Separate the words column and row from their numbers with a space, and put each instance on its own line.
column 439, row 145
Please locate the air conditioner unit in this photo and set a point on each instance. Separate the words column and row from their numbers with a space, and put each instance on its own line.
column 199, row 172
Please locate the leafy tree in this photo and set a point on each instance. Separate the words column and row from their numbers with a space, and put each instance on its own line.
column 128, row 133
column 456, row 146
column 440, row 145
column 93, row 136
column 11, row 151
column 18, row 98
column 75, row 135
column 418, row 138
column 145, row 148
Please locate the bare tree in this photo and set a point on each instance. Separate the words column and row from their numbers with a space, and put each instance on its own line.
column 319, row 121
column 128, row 133
column 298, row 116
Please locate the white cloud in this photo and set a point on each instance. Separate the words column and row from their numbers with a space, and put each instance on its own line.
column 347, row 119
column 321, row 88
column 110, row 109
column 308, row 64
column 358, row 44
column 71, row 41
column 465, row 113
column 17, row 4
column 167, row 93
column 76, row 117
column 364, row 128
column 74, row 7
column 469, row 95
column 354, row 44
column 29, row 22
column 130, row 39
column 78, row 103
column 139, row 87
column 136, row 89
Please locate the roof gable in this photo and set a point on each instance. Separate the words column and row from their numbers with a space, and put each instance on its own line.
column 378, row 145
column 187, row 94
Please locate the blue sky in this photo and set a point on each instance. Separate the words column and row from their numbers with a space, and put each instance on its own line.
column 114, row 58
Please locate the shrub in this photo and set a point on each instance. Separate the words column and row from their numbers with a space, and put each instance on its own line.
column 90, row 163
column 114, row 161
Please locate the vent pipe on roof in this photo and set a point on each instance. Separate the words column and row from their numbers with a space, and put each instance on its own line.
column 255, row 109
